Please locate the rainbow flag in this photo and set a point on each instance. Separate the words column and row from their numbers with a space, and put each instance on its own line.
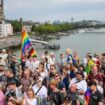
column 87, row 96
column 27, row 45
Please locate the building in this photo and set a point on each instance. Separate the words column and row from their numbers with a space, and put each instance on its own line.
column 1, row 10
column 28, row 25
column 5, row 28
column 9, row 29
column 28, row 28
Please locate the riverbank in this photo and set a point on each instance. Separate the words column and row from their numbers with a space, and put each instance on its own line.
column 10, row 42
column 15, row 41
column 81, row 42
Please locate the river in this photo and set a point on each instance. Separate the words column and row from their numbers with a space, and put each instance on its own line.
column 82, row 42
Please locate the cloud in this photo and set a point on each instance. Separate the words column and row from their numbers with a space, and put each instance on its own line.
column 54, row 9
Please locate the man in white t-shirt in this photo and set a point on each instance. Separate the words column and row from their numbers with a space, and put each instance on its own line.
column 39, row 89
column 3, row 57
column 32, row 64
column 80, row 83
column 52, row 59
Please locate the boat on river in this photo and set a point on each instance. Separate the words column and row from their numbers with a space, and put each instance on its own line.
column 52, row 46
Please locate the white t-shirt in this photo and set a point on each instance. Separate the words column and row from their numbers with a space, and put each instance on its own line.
column 47, row 68
column 43, row 74
column 82, row 85
column 100, row 89
column 4, row 57
column 32, row 65
column 85, row 61
column 51, row 61
column 42, row 91
column 31, row 102
column 28, row 63
column 85, row 75
column 36, row 64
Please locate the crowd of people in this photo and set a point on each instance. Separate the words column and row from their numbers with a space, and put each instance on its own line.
column 47, row 81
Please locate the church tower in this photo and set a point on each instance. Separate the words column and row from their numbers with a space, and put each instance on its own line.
column 5, row 28
column 2, row 21
column 1, row 10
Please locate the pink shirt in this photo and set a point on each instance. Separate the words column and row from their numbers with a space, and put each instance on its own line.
column 2, row 98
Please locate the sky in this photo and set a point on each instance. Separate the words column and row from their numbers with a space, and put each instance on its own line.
column 53, row 10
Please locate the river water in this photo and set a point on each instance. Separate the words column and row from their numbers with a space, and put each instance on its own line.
column 82, row 42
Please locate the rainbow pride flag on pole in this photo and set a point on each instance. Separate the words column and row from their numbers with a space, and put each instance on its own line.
column 26, row 45
column 87, row 96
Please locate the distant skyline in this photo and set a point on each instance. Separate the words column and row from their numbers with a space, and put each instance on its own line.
column 52, row 10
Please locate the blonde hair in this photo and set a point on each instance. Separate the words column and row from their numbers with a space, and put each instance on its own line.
column 68, row 51
column 53, row 82
column 31, row 90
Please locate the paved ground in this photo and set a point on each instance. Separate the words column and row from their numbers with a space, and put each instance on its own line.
column 10, row 42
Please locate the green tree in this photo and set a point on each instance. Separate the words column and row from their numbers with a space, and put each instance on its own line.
column 17, row 26
column 33, row 28
column 52, row 28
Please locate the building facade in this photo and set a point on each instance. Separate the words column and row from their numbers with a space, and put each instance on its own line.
column 5, row 28
column 1, row 10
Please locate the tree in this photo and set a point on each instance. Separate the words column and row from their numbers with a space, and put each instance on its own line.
column 33, row 28
column 52, row 28
column 17, row 26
